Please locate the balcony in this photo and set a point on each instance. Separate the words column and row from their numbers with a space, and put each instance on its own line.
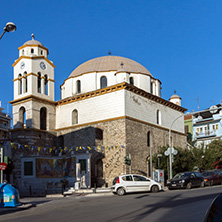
column 209, row 133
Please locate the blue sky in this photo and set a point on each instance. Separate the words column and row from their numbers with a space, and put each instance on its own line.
column 179, row 42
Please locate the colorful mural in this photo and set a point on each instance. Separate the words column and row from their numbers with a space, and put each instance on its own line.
column 56, row 168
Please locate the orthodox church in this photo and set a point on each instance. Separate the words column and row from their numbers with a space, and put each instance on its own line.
column 110, row 108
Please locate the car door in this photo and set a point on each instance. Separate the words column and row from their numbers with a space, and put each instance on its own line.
column 128, row 183
column 198, row 178
column 142, row 183
column 193, row 179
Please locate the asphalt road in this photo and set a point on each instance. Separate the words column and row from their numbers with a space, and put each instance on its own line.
column 177, row 205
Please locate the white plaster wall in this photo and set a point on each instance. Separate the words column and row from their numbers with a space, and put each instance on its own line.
column 37, row 51
column 67, row 89
column 111, row 78
column 176, row 101
column 32, row 109
column 158, row 88
column 91, row 82
column 143, row 82
column 110, row 105
column 117, row 104
column 33, row 66
column 143, row 109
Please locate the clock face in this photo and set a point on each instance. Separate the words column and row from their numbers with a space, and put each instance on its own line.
column 22, row 65
column 42, row 65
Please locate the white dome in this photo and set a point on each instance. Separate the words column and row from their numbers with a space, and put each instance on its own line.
column 110, row 63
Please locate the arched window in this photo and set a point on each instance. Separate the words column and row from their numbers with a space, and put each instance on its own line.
column 148, row 138
column 74, row 117
column 19, row 84
column 61, row 141
column 100, row 169
column 151, row 88
column 32, row 50
column 43, row 117
column 23, row 52
column 158, row 117
column 46, row 84
column 131, row 80
column 103, row 82
column 78, row 86
column 22, row 117
column 25, row 82
column 41, row 52
column 99, row 134
column 39, row 82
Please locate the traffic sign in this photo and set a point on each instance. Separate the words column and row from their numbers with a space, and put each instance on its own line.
column 3, row 166
column 173, row 151
column 166, row 153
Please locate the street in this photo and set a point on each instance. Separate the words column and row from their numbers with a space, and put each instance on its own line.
column 176, row 205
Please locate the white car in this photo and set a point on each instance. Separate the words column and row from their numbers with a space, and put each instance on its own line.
column 134, row 183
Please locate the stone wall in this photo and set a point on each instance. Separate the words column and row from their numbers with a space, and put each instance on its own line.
column 136, row 142
column 113, row 137
column 33, row 137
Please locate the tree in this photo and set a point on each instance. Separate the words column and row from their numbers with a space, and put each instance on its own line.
column 183, row 161
column 212, row 154
column 196, row 158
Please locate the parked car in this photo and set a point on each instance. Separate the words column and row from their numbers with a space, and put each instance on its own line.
column 186, row 180
column 212, row 177
column 134, row 183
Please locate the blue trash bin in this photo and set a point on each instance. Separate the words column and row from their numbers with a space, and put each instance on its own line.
column 9, row 196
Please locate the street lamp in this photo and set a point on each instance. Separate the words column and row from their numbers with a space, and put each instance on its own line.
column 9, row 27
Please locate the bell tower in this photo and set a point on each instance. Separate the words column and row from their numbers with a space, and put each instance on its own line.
column 33, row 104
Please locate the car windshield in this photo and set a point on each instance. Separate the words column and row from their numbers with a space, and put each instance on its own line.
column 181, row 175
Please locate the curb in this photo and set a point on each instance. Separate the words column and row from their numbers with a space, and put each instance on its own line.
column 99, row 194
column 54, row 195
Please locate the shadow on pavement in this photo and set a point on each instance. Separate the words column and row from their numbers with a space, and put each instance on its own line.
column 24, row 206
column 169, row 203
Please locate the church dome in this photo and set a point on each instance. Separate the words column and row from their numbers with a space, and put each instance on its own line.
column 110, row 63
column 33, row 41
column 175, row 97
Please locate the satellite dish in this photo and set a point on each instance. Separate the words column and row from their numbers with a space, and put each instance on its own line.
column 199, row 117
column 213, row 109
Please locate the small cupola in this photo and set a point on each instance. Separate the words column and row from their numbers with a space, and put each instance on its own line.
column 33, row 48
column 175, row 99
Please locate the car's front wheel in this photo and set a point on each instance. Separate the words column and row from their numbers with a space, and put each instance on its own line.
column 155, row 189
column 189, row 185
column 121, row 191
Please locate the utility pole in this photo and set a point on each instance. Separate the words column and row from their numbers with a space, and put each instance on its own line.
column 151, row 165
column 1, row 153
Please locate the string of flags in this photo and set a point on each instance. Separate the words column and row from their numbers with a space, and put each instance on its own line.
column 64, row 149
